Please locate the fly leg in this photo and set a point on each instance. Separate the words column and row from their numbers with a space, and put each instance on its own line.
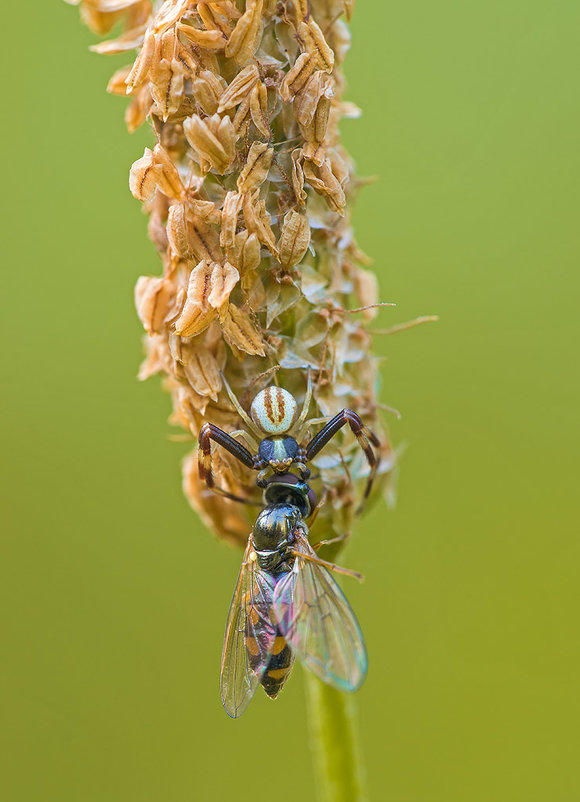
column 339, row 539
column 331, row 566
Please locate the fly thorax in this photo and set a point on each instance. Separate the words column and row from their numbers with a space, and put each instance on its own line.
column 274, row 531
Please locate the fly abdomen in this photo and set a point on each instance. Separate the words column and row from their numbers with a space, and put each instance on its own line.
column 278, row 669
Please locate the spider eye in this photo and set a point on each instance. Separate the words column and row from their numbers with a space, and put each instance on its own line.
column 274, row 410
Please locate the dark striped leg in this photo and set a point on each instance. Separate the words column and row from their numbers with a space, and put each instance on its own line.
column 365, row 437
column 207, row 433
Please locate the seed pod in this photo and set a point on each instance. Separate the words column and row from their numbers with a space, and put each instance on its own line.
column 222, row 281
column 239, row 88
column 258, row 221
column 143, row 177
column 140, row 70
column 207, row 89
column 154, row 170
column 294, row 240
column 169, row 180
column 205, row 211
column 244, row 252
column 196, row 314
column 297, row 76
column 209, row 40
column 231, row 209
column 242, row 119
column 301, row 10
column 348, row 6
column 177, row 232
column 117, row 84
column 169, row 13
column 246, row 36
column 137, row 111
column 166, row 84
column 152, row 299
column 240, row 331
column 213, row 20
column 213, row 138
column 318, row 85
column 314, row 42
column 204, row 241
column 256, row 168
column 250, row 253
column 259, row 109
column 298, row 177
column 199, row 286
column 202, row 371
column 323, row 180
column 367, row 289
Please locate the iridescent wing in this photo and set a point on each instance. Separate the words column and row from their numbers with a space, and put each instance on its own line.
column 249, row 637
column 318, row 622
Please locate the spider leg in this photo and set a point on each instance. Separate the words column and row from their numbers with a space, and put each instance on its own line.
column 365, row 437
column 306, row 406
column 239, row 409
column 302, row 469
column 261, row 480
column 247, row 437
column 219, row 491
column 305, row 426
column 207, row 433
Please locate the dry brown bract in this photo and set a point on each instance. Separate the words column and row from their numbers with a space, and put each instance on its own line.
column 247, row 190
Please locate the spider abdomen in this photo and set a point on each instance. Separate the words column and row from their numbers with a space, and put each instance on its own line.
column 274, row 410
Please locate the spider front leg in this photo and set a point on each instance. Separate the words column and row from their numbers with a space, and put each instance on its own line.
column 209, row 432
column 365, row 437
column 300, row 463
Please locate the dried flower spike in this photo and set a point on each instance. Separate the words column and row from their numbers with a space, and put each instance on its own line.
column 247, row 189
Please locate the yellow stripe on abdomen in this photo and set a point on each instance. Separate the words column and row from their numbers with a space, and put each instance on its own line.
column 278, row 673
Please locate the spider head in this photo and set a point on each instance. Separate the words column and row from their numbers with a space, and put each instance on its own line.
column 274, row 410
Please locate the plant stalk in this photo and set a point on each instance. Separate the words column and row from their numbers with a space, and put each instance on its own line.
column 335, row 743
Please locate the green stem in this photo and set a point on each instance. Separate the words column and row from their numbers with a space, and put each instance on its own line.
column 335, row 743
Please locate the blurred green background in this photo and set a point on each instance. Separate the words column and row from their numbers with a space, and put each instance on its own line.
column 114, row 597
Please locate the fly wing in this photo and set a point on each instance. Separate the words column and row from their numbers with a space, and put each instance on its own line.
column 249, row 637
column 319, row 624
